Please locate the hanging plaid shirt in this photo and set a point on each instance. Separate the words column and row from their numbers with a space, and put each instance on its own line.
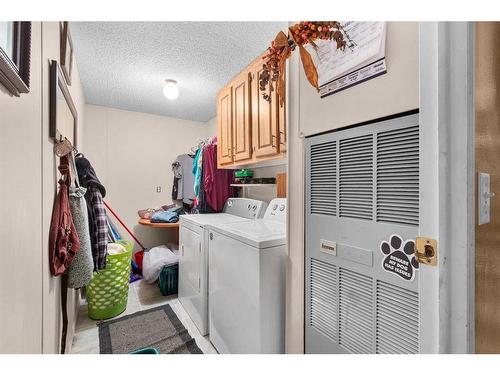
column 98, row 225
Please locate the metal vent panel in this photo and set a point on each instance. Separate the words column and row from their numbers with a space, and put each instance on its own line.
column 397, row 176
column 356, row 177
column 324, row 298
column 355, row 311
column 324, row 178
column 396, row 319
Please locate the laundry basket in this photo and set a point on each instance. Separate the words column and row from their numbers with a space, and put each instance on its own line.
column 168, row 281
column 107, row 293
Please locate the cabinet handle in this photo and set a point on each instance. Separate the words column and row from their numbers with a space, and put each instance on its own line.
column 272, row 140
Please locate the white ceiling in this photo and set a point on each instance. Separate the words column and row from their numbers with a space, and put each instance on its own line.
column 123, row 64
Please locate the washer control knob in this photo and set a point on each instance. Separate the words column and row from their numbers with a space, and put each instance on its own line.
column 229, row 202
column 254, row 207
column 275, row 207
column 282, row 207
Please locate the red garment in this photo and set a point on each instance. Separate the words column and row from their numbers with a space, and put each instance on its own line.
column 217, row 182
column 63, row 239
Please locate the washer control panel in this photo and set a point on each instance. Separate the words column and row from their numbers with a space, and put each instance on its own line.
column 245, row 207
column 276, row 210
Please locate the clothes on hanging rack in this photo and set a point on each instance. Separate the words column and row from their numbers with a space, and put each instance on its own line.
column 197, row 165
column 217, row 182
column 212, row 185
column 98, row 223
column 183, row 179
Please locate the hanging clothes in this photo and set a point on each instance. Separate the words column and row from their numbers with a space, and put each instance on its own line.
column 63, row 238
column 182, row 168
column 80, row 270
column 98, row 223
column 217, row 182
column 197, row 166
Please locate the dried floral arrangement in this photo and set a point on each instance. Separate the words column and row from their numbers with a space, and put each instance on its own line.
column 300, row 34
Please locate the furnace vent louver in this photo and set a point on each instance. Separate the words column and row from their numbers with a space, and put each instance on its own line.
column 397, row 176
column 324, row 179
column 356, row 177
column 397, row 319
column 324, row 298
column 355, row 312
column 363, row 188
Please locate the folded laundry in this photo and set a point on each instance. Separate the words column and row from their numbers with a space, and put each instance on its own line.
column 146, row 213
column 165, row 217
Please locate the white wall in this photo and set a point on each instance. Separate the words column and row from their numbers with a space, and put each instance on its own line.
column 21, row 213
column 395, row 92
column 30, row 318
column 132, row 153
column 52, row 318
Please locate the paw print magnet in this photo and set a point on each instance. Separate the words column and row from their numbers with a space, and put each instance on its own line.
column 400, row 257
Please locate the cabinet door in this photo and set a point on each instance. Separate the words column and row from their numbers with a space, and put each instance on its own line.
column 264, row 118
column 224, row 127
column 241, row 117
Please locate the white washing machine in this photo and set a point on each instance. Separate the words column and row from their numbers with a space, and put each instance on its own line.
column 247, row 283
column 193, row 254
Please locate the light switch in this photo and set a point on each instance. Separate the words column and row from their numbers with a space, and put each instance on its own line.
column 484, row 198
column 158, row 189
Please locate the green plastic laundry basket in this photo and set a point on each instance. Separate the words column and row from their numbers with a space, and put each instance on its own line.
column 107, row 293
column 168, row 281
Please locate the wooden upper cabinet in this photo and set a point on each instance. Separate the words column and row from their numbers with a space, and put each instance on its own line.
column 242, row 131
column 250, row 129
column 225, row 126
column 264, row 117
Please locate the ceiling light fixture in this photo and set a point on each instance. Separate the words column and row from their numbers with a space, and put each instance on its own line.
column 170, row 89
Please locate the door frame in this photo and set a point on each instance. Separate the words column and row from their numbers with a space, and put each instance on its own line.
column 447, row 187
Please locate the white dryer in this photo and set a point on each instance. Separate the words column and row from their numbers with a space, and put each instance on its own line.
column 193, row 254
column 247, row 283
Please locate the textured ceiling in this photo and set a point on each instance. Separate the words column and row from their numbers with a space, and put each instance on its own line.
column 123, row 64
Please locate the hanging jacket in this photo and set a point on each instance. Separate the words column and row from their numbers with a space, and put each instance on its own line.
column 98, row 222
column 63, row 239
column 81, row 269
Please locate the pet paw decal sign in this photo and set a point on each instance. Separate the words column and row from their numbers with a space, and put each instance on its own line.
column 399, row 257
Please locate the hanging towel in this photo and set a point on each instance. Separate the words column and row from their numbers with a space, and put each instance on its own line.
column 81, row 269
